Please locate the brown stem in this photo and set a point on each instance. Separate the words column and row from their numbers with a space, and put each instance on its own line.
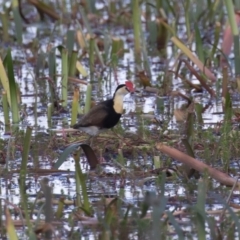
column 200, row 78
column 197, row 165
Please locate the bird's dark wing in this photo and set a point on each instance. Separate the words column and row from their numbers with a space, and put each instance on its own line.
column 94, row 117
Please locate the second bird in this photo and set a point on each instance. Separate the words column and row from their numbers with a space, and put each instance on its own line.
column 106, row 114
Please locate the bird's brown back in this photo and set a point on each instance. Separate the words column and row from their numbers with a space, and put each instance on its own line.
column 96, row 116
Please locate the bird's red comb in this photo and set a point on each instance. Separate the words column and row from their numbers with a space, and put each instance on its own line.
column 129, row 85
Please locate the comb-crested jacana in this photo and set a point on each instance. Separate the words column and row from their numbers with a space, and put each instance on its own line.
column 106, row 114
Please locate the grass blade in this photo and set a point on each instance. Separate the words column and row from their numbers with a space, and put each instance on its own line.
column 117, row 50
column 199, row 110
column 81, row 177
column 70, row 41
column 81, row 69
column 81, row 39
column 216, row 38
column 11, row 231
column 26, row 147
column 52, row 72
column 5, row 109
column 199, row 44
column 194, row 59
column 136, row 27
column 47, row 190
column 49, row 112
column 52, row 64
column 72, row 64
column 23, row 172
column 188, row 170
column 91, row 58
column 75, row 104
column 79, row 201
column 146, row 203
column 4, row 81
column 158, row 206
column 5, row 26
column 88, row 99
column 233, row 215
column 13, row 88
column 200, row 210
column 235, row 32
column 176, row 226
column 227, row 109
column 60, row 208
column 64, row 54
column 17, row 20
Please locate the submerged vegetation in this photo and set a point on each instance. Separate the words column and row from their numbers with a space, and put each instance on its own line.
column 169, row 169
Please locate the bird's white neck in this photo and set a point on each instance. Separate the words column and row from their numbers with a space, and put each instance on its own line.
column 118, row 103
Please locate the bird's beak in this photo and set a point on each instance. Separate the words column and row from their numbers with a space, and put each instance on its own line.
column 131, row 91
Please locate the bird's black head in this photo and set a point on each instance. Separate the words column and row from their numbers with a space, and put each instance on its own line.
column 120, row 86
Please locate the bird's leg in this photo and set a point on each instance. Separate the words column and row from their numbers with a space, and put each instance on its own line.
column 89, row 140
